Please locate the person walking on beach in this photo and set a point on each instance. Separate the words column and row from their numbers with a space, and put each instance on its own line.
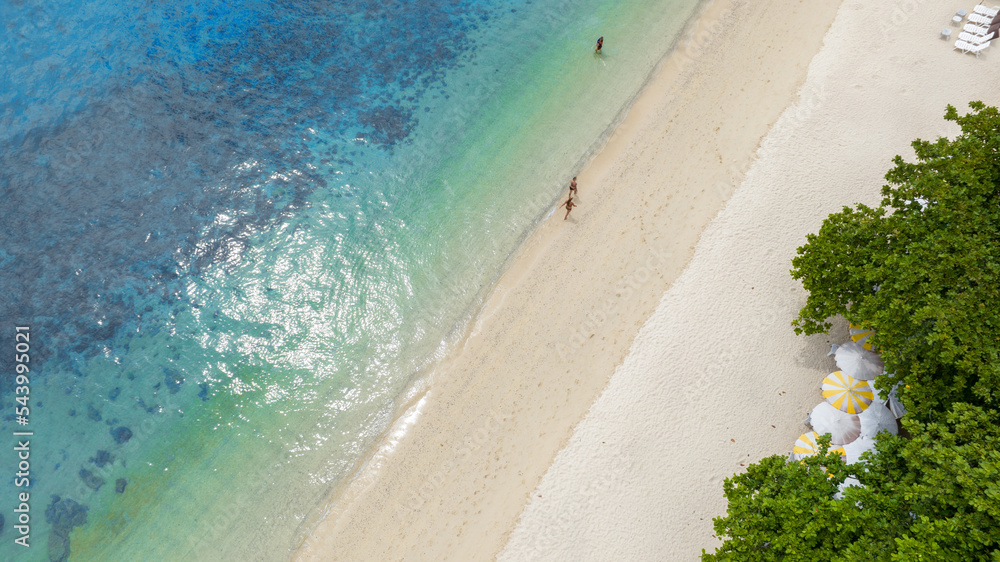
column 600, row 44
column 569, row 204
column 572, row 187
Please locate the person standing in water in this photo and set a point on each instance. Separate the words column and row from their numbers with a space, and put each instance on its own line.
column 600, row 44
column 569, row 204
column 572, row 187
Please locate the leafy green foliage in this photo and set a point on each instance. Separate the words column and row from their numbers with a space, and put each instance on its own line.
column 951, row 477
column 780, row 510
column 933, row 497
column 922, row 269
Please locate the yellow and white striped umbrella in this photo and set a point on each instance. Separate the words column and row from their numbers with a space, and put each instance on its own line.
column 847, row 393
column 806, row 446
column 861, row 336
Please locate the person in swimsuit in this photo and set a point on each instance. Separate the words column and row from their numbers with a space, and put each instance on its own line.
column 569, row 204
column 572, row 187
column 600, row 44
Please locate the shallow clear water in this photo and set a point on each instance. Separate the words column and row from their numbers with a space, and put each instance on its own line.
column 242, row 232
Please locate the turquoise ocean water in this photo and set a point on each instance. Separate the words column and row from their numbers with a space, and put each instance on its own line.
column 237, row 234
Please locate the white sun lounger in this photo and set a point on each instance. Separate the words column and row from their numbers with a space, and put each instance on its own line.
column 984, row 11
column 975, row 29
column 967, row 47
column 974, row 39
column 980, row 19
column 978, row 48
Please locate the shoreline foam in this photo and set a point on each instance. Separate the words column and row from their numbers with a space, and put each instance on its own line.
column 455, row 485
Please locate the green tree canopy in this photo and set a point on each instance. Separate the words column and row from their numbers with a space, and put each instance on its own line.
column 933, row 497
column 922, row 269
column 781, row 510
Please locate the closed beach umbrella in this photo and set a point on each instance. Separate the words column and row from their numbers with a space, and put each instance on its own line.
column 854, row 449
column 856, row 361
column 847, row 393
column 806, row 446
column 842, row 427
column 892, row 402
column 876, row 418
column 861, row 335
column 889, row 398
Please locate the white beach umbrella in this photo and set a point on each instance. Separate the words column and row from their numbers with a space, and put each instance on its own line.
column 854, row 449
column 856, row 361
column 877, row 418
column 849, row 481
column 807, row 445
column 847, row 393
column 842, row 427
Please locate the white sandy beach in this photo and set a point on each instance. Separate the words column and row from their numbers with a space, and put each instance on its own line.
column 716, row 377
column 678, row 312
